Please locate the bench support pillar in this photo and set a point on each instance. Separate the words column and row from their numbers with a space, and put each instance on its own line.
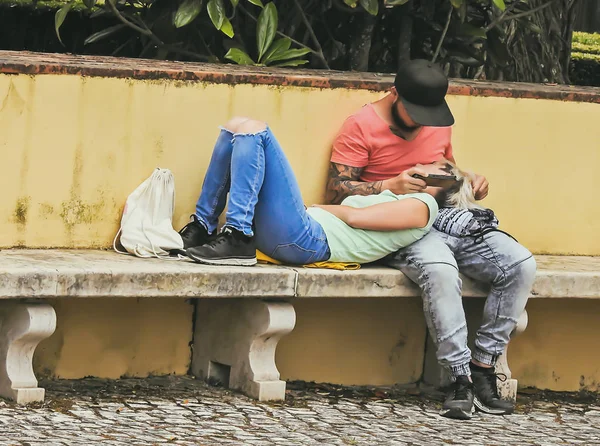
column 22, row 326
column 508, row 389
column 437, row 376
column 235, row 342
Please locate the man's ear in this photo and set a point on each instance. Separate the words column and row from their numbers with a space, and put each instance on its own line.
column 394, row 92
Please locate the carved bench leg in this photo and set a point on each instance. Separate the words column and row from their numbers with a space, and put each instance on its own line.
column 434, row 374
column 22, row 326
column 235, row 342
column 508, row 388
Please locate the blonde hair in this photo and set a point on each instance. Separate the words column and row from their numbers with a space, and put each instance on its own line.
column 461, row 195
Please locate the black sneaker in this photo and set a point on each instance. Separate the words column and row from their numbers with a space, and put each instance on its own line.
column 230, row 247
column 486, row 391
column 194, row 234
column 459, row 403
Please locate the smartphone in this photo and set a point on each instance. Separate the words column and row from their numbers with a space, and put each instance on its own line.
column 437, row 180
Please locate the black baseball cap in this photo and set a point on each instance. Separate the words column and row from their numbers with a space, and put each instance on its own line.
column 422, row 87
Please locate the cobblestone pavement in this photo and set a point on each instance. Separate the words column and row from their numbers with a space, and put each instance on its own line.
column 183, row 411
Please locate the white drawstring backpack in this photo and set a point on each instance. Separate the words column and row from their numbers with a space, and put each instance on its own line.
column 146, row 226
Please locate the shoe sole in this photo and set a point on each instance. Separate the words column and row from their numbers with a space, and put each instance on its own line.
column 489, row 410
column 457, row 414
column 236, row 261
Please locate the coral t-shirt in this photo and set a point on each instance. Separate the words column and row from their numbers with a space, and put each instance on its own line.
column 365, row 140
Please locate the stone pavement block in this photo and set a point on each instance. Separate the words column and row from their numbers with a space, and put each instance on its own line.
column 139, row 406
column 177, row 420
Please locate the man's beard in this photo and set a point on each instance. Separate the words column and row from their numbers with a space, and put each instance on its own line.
column 398, row 122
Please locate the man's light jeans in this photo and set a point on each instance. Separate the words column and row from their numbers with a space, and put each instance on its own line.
column 433, row 263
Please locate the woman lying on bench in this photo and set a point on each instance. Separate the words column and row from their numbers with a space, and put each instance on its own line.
column 266, row 212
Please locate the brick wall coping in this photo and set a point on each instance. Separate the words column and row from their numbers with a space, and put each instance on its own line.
column 22, row 62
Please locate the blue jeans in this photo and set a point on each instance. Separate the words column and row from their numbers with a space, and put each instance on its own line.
column 264, row 198
column 433, row 263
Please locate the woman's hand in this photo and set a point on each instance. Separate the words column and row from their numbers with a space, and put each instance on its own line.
column 480, row 186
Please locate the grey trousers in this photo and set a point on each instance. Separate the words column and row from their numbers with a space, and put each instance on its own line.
column 433, row 263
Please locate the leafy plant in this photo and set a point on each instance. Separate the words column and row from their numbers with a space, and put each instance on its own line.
column 484, row 39
column 270, row 51
column 60, row 17
column 137, row 15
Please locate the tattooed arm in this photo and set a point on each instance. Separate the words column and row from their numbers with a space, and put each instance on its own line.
column 351, row 146
column 344, row 181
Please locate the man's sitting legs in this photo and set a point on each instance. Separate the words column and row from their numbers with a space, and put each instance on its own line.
column 501, row 261
column 433, row 263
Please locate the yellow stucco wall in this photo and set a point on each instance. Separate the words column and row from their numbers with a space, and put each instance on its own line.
column 73, row 148
column 382, row 342
column 113, row 338
column 354, row 342
column 559, row 349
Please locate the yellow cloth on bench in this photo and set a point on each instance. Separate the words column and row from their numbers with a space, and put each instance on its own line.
column 263, row 258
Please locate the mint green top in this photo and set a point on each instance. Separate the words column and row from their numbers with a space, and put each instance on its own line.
column 349, row 244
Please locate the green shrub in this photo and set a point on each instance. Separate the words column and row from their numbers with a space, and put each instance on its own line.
column 585, row 48
column 585, row 59
column 586, row 38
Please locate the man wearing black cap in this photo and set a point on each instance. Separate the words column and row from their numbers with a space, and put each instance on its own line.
column 381, row 147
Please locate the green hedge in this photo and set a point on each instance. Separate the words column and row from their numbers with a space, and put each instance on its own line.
column 585, row 59
column 585, row 49
column 586, row 38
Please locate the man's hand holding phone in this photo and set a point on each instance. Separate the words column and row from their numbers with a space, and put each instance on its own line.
column 406, row 183
column 434, row 180
column 416, row 180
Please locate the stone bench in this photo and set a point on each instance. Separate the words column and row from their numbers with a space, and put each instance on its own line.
column 238, row 328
